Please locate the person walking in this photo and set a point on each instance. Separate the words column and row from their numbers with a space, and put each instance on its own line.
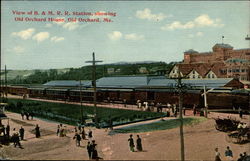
column 15, row 138
column 37, row 130
column 131, row 143
column 240, row 113
column 229, row 153
column 7, row 129
column 217, row 155
column 22, row 114
column 94, row 150
column 58, row 130
column 90, row 135
column 89, row 149
column 78, row 139
column 21, row 132
column 138, row 143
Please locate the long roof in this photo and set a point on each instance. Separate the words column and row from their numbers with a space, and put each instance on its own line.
column 125, row 82
column 67, row 83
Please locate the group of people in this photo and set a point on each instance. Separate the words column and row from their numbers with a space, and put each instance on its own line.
column 132, row 144
column 16, row 136
column 27, row 115
column 229, row 155
column 61, row 131
column 92, row 151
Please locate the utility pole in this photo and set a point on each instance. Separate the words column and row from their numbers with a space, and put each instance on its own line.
column 6, row 92
column 180, row 91
column 205, row 101
column 81, row 111
column 94, row 83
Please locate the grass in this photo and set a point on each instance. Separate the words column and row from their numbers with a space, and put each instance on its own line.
column 71, row 114
column 158, row 125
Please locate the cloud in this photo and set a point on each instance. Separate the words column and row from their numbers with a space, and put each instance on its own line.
column 146, row 14
column 24, row 34
column 48, row 25
column 71, row 25
column 198, row 34
column 56, row 39
column 115, row 35
column 134, row 37
column 18, row 49
column 41, row 36
column 200, row 21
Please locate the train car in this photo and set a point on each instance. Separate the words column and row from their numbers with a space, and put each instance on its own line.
column 37, row 92
column 76, row 95
column 17, row 90
column 57, row 93
column 116, row 95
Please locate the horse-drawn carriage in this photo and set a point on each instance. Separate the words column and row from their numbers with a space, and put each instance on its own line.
column 239, row 136
column 235, row 134
column 226, row 125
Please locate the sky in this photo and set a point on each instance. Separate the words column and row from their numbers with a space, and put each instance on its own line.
column 133, row 31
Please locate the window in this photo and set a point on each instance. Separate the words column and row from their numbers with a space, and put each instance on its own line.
column 193, row 72
column 208, row 75
column 242, row 70
column 193, row 76
column 212, row 76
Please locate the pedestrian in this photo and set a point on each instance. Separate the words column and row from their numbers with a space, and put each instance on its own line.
column 240, row 113
column 31, row 115
column 229, row 153
column 37, row 130
column 217, row 155
column 90, row 135
column 78, row 139
column 7, row 130
column 131, row 143
column 138, row 143
column 125, row 102
column 194, row 109
column 21, row 132
column 83, row 133
column 89, row 149
column 15, row 139
column 58, row 130
column 94, row 150
column 27, row 115
column 241, row 158
column 79, row 127
column 22, row 114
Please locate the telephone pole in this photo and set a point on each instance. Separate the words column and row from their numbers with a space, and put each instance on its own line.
column 94, row 82
column 81, row 111
column 180, row 91
column 6, row 92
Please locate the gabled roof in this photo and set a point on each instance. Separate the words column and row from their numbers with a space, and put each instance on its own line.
column 201, row 68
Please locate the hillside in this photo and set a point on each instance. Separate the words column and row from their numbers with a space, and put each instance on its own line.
column 85, row 72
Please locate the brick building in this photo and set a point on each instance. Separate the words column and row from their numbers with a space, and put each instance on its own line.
column 222, row 62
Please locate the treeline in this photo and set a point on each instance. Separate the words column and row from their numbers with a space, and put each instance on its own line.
column 85, row 73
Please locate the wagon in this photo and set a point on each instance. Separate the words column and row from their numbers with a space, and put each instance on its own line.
column 239, row 136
